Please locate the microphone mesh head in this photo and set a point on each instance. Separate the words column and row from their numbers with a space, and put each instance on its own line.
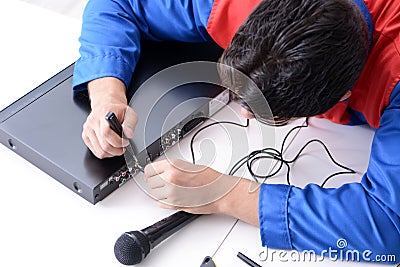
column 131, row 248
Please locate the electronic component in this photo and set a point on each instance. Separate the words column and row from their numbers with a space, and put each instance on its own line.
column 45, row 126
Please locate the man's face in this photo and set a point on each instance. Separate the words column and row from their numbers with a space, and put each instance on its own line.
column 247, row 114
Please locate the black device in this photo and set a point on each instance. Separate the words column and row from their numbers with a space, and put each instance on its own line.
column 247, row 260
column 132, row 247
column 45, row 125
column 116, row 126
column 114, row 123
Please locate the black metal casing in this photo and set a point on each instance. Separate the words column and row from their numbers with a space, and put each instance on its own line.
column 45, row 125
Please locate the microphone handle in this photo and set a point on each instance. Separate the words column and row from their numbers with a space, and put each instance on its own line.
column 163, row 229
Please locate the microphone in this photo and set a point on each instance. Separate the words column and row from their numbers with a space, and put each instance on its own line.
column 132, row 247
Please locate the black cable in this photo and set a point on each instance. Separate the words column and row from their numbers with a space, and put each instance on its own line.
column 274, row 154
column 209, row 125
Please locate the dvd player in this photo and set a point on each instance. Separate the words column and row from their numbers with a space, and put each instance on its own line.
column 45, row 125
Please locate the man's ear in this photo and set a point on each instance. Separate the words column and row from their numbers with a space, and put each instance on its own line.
column 346, row 96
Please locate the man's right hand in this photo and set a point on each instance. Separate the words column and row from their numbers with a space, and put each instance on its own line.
column 108, row 94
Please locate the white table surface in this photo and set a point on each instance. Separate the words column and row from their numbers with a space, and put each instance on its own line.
column 349, row 145
column 45, row 224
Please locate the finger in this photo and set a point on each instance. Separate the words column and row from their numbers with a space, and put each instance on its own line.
column 107, row 147
column 155, row 182
column 104, row 136
column 164, row 205
column 88, row 135
column 96, row 147
column 159, row 193
column 155, row 168
column 87, row 141
column 111, row 137
column 130, row 121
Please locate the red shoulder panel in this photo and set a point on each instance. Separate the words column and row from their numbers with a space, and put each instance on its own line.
column 381, row 73
column 226, row 17
column 371, row 93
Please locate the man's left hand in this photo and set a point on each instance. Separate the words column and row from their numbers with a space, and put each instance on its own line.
column 178, row 184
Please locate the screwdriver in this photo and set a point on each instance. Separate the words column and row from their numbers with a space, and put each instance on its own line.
column 116, row 126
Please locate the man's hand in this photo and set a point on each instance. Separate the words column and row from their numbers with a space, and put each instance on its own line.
column 177, row 184
column 107, row 94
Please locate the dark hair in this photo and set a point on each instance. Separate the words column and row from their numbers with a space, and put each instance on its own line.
column 302, row 54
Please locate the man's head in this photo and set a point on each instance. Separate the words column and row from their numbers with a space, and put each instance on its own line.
column 304, row 55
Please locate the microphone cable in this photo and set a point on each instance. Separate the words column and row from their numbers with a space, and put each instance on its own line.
column 274, row 154
column 270, row 153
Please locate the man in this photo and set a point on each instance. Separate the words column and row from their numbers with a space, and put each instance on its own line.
column 336, row 58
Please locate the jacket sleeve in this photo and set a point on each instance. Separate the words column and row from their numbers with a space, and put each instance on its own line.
column 362, row 216
column 111, row 32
